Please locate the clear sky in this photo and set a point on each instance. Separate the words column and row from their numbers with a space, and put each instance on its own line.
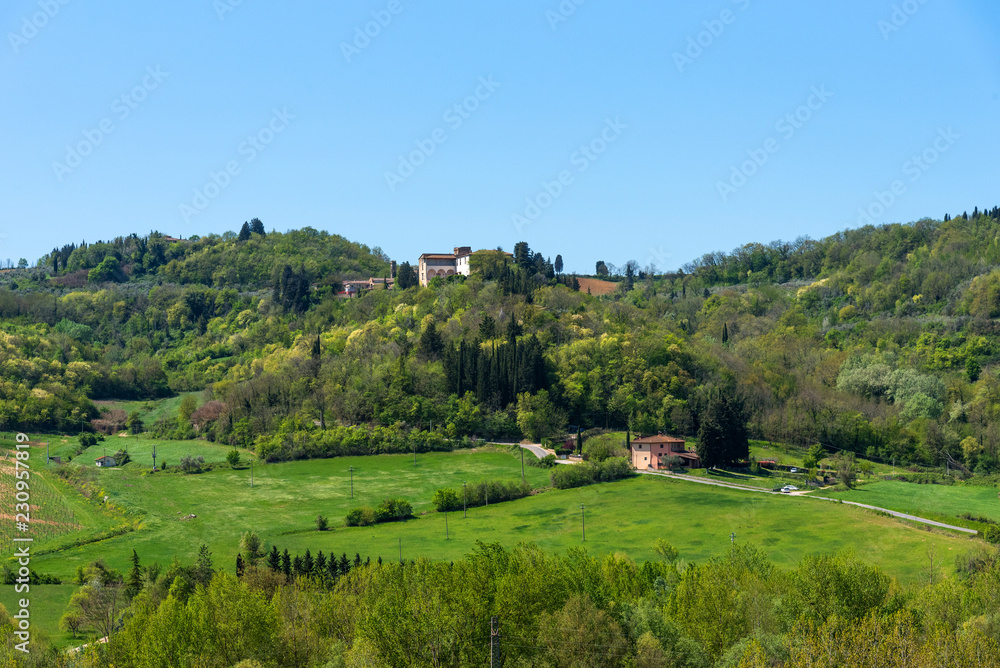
column 653, row 131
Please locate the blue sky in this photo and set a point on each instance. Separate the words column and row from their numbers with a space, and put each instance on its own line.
column 653, row 131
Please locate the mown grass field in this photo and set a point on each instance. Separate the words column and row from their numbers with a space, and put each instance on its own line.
column 922, row 500
column 629, row 516
column 625, row 517
column 285, row 499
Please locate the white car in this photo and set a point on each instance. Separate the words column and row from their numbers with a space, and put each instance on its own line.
column 794, row 470
column 789, row 488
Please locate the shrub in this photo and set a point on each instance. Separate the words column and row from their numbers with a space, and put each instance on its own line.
column 393, row 510
column 478, row 494
column 191, row 464
column 616, row 468
column 992, row 534
column 87, row 440
column 567, row 477
column 496, row 491
column 321, row 523
column 546, row 462
column 604, row 447
column 361, row 517
column 446, row 499
column 233, row 458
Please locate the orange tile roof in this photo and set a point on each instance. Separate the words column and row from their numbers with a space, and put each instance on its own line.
column 659, row 438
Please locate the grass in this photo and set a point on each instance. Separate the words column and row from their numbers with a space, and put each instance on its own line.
column 925, row 500
column 285, row 499
column 626, row 517
column 696, row 519
column 48, row 603
column 150, row 411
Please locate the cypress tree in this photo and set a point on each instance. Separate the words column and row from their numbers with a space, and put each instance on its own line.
column 286, row 563
column 134, row 582
column 332, row 568
column 307, row 563
column 274, row 559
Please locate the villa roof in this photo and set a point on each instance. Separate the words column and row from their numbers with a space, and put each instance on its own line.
column 658, row 439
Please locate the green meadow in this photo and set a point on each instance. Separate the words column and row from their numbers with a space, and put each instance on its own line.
column 171, row 514
column 926, row 500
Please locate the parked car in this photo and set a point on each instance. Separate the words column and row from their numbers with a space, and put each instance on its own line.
column 789, row 488
column 795, row 470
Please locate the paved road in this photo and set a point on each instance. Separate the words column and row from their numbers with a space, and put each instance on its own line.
column 745, row 488
column 536, row 450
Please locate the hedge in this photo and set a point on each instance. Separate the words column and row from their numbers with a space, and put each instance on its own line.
column 390, row 510
column 587, row 473
column 355, row 441
column 477, row 494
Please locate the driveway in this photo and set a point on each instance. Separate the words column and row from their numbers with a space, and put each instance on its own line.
column 536, row 450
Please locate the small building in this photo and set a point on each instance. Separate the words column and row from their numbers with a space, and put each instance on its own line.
column 653, row 452
column 106, row 462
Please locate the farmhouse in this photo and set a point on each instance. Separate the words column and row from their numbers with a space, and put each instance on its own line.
column 106, row 462
column 655, row 451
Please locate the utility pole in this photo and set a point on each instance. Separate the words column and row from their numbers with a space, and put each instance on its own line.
column 583, row 521
column 494, row 642
column 414, row 453
column 465, row 507
column 352, row 481
column 251, row 473
column 732, row 538
column 522, row 464
column 154, row 457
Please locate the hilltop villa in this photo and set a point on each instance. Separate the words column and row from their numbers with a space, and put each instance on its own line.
column 445, row 264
